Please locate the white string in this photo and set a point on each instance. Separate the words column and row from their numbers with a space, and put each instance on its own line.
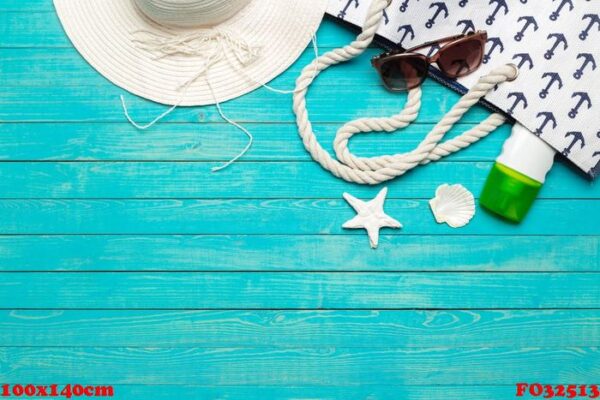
column 296, row 90
column 206, row 43
column 231, row 122
column 375, row 170
column 151, row 123
column 213, row 43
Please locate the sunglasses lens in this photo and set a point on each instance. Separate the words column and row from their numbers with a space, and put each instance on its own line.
column 461, row 58
column 403, row 73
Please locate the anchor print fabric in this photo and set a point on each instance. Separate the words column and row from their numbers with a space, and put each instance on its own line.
column 555, row 43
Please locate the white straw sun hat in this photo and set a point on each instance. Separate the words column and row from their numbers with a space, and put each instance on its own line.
column 190, row 52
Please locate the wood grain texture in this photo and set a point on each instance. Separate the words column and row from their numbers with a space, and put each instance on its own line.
column 249, row 180
column 124, row 261
column 327, row 103
column 301, row 329
column 297, row 290
column 370, row 392
column 190, row 142
column 37, row 67
column 26, row 5
column 299, row 252
column 278, row 216
column 310, row 366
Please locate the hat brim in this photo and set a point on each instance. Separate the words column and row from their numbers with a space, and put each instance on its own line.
column 102, row 31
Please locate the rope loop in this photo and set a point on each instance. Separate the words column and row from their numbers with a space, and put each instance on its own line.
column 375, row 170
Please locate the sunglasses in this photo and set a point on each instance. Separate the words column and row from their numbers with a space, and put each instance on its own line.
column 402, row 70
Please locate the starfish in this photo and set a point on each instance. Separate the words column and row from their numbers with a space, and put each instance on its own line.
column 370, row 216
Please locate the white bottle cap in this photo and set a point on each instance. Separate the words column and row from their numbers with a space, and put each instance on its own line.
column 526, row 153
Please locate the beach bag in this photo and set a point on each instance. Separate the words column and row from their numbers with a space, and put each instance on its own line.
column 555, row 44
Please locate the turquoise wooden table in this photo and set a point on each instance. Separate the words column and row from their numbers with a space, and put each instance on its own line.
column 124, row 261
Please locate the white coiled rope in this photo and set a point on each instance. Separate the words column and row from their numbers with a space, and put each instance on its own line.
column 375, row 170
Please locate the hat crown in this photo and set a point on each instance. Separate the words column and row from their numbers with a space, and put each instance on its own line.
column 190, row 13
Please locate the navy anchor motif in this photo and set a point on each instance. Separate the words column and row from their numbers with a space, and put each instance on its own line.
column 594, row 20
column 554, row 16
column 463, row 3
column 469, row 26
column 404, row 5
column 408, row 30
column 593, row 170
column 344, row 10
column 434, row 48
column 548, row 118
column 524, row 58
column 587, row 59
column 519, row 98
column 500, row 5
column 496, row 43
column 577, row 138
column 554, row 77
column 584, row 98
column 529, row 21
column 440, row 8
column 559, row 38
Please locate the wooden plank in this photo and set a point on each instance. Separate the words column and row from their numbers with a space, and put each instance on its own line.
column 35, row 25
column 287, row 290
column 125, row 180
column 64, row 67
column 280, row 216
column 207, row 142
column 294, row 329
column 312, row 366
column 28, row 28
column 64, row 104
column 370, row 392
column 23, row 6
column 300, row 252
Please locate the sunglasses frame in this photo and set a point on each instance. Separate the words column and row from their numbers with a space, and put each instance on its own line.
column 379, row 60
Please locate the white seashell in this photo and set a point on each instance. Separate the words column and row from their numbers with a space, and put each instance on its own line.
column 453, row 204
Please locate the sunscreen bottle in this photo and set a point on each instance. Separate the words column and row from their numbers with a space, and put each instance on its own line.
column 518, row 175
